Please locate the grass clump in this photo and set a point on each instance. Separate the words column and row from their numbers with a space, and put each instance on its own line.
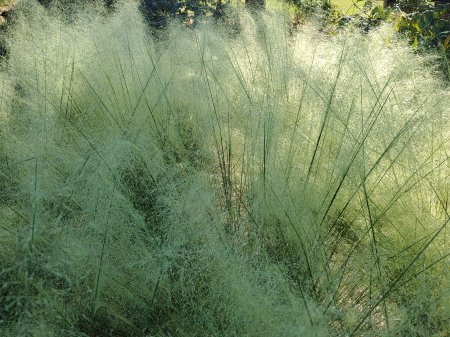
column 260, row 183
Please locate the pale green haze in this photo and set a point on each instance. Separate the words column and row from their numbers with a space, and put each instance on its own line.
column 246, row 180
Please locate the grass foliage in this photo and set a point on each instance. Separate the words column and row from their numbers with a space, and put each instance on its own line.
column 259, row 182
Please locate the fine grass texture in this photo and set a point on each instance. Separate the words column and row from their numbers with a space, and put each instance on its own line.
column 217, row 181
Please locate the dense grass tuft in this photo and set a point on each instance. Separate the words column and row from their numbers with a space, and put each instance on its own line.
column 259, row 182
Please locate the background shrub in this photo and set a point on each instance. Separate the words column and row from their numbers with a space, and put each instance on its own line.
column 158, row 12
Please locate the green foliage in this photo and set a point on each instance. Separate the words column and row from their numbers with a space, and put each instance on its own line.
column 370, row 15
column 409, row 6
column 304, row 10
column 310, row 6
column 428, row 28
column 157, row 12
column 266, row 183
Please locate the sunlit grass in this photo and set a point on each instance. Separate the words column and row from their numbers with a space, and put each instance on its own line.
column 220, row 181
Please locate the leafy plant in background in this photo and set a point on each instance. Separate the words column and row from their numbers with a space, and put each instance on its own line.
column 428, row 28
column 310, row 6
column 303, row 9
column 158, row 12
column 371, row 14
column 425, row 25
column 410, row 6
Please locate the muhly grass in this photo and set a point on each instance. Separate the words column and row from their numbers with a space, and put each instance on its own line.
column 216, row 182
